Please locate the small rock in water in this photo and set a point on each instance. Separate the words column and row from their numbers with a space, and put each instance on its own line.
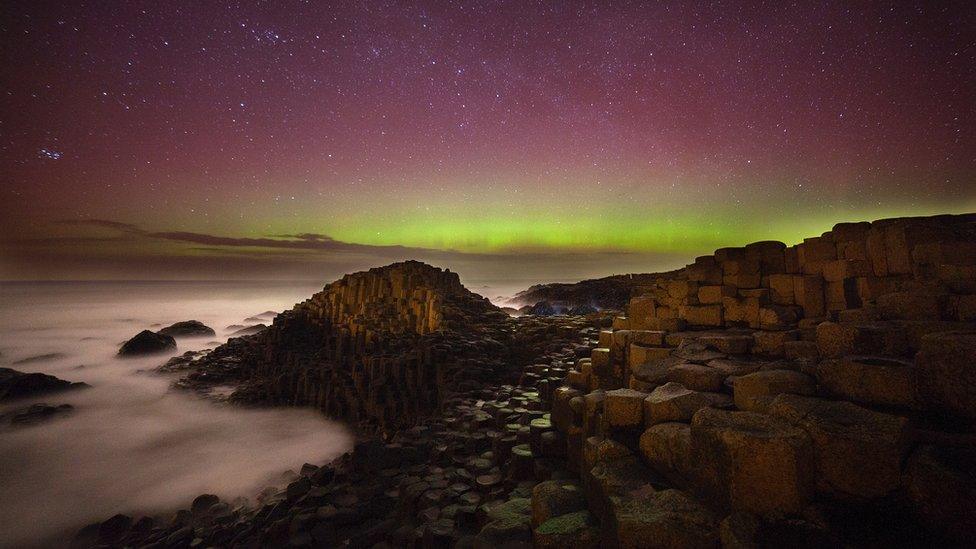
column 146, row 342
column 35, row 413
column 188, row 328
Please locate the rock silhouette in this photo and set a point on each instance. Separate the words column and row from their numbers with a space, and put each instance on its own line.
column 187, row 328
column 147, row 343
column 15, row 385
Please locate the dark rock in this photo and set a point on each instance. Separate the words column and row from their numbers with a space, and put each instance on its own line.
column 542, row 308
column 249, row 330
column 188, row 328
column 14, row 384
column 322, row 476
column 582, row 310
column 299, row 488
column 611, row 292
column 553, row 498
column 203, row 503
column 114, row 528
column 147, row 343
column 35, row 413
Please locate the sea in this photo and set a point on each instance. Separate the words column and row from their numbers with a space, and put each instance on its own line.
column 133, row 444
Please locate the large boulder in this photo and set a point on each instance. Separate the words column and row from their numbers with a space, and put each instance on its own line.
column 666, row 448
column 624, row 408
column 673, row 402
column 610, row 480
column 507, row 522
column 553, row 498
column 147, row 343
column 755, row 391
column 601, row 449
column 857, row 452
column 870, row 380
column 15, row 385
column 863, row 338
column 697, row 377
column 752, row 462
column 188, row 328
column 945, row 370
column 916, row 305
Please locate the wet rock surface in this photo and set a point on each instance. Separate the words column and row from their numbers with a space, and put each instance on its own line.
column 17, row 385
column 188, row 328
column 147, row 343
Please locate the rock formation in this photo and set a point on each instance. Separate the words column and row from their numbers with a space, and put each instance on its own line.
column 188, row 328
column 765, row 396
column 32, row 414
column 795, row 391
column 378, row 348
column 16, row 385
column 246, row 330
column 612, row 292
column 147, row 343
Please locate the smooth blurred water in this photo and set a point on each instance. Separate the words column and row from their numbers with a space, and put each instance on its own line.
column 133, row 445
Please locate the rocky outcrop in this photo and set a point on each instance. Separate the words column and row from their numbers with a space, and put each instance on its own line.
column 380, row 348
column 188, row 328
column 463, row 476
column 147, row 343
column 612, row 292
column 247, row 330
column 791, row 389
column 542, row 308
column 16, row 385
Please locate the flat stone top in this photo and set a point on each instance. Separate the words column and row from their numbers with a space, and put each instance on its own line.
column 747, row 423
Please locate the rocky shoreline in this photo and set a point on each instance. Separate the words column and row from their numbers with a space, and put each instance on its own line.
column 764, row 396
column 431, row 483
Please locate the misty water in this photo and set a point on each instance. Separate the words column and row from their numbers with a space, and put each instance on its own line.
column 132, row 444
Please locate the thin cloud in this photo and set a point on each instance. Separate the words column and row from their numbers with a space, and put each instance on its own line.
column 302, row 241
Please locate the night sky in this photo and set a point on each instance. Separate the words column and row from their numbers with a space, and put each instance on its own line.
column 520, row 139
